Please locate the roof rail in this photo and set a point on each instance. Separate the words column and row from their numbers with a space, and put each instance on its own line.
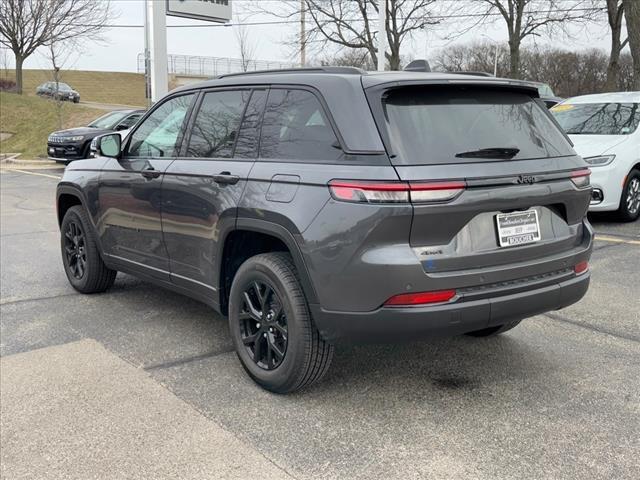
column 328, row 69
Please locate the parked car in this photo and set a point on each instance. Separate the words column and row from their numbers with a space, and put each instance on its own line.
column 321, row 205
column 604, row 130
column 75, row 143
column 61, row 91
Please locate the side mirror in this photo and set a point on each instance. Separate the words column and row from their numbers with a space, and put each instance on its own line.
column 109, row 145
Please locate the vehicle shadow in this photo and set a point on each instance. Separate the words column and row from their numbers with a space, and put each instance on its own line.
column 457, row 363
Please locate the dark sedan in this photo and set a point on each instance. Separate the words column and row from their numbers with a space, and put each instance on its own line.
column 75, row 143
column 60, row 91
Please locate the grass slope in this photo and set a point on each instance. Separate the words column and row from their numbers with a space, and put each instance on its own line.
column 102, row 87
column 31, row 119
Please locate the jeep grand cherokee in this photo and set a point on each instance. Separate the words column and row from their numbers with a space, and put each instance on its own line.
column 318, row 205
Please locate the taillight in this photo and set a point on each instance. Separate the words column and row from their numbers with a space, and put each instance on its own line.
column 369, row 192
column 581, row 267
column 435, row 191
column 420, row 298
column 394, row 192
column 580, row 178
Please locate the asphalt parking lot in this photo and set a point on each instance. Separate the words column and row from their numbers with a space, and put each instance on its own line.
column 143, row 383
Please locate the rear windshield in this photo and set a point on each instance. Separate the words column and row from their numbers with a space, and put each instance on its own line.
column 598, row 118
column 430, row 125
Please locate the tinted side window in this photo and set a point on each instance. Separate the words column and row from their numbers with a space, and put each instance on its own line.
column 217, row 122
column 295, row 127
column 158, row 134
column 247, row 143
column 130, row 121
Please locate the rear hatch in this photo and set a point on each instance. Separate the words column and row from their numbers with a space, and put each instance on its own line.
column 493, row 180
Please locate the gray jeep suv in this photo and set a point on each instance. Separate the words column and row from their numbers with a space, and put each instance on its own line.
column 318, row 205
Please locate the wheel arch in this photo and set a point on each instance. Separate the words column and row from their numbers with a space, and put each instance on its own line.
column 251, row 237
column 67, row 196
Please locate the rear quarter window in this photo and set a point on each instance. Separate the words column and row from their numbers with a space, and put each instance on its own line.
column 430, row 125
column 295, row 127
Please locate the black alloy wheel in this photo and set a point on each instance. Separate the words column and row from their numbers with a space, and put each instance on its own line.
column 263, row 325
column 81, row 257
column 274, row 336
column 75, row 249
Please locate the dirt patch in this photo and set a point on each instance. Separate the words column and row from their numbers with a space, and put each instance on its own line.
column 5, row 136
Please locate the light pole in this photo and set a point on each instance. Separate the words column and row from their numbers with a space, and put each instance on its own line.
column 495, row 56
column 155, row 18
column 303, row 41
column 382, row 33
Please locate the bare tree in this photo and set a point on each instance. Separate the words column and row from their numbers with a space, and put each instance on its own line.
column 474, row 57
column 60, row 55
column 352, row 24
column 569, row 73
column 632, row 15
column 350, row 58
column 246, row 47
column 528, row 18
column 26, row 25
column 615, row 14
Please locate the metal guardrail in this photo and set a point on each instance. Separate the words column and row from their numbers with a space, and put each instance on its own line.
column 196, row 66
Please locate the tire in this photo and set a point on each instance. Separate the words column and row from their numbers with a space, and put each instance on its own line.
column 270, row 282
column 86, row 150
column 630, row 200
column 493, row 331
column 86, row 273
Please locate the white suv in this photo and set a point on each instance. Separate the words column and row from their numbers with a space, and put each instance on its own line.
column 604, row 130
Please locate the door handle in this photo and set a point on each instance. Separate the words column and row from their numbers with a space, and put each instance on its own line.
column 150, row 173
column 226, row 177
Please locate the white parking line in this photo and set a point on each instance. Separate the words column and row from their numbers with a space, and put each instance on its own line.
column 605, row 238
column 34, row 173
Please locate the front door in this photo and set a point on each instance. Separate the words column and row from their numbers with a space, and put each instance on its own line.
column 130, row 196
column 202, row 188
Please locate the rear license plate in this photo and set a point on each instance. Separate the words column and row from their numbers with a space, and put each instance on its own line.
column 518, row 228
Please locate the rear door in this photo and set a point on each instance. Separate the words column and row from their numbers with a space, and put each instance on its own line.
column 129, row 193
column 202, row 188
column 490, row 174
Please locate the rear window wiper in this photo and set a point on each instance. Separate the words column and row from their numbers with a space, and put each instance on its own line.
column 494, row 152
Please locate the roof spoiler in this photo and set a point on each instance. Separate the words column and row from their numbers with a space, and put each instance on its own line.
column 418, row 66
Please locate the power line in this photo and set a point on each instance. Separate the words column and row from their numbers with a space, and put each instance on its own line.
column 430, row 17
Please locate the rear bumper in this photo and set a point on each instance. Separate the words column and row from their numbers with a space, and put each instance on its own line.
column 398, row 324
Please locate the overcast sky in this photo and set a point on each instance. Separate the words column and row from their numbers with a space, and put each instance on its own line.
column 121, row 46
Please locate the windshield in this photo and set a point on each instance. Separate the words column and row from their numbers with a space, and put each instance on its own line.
column 63, row 87
column 465, row 124
column 597, row 118
column 108, row 121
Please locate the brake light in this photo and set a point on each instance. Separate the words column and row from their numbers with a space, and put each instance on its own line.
column 394, row 192
column 581, row 267
column 581, row 178
column 420, row 298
